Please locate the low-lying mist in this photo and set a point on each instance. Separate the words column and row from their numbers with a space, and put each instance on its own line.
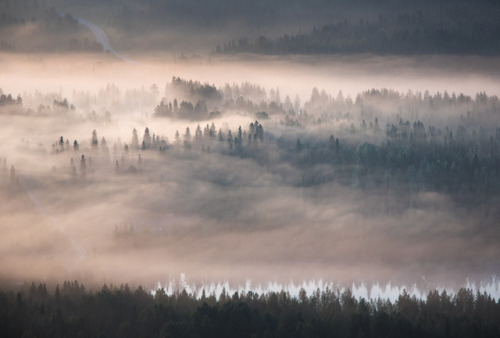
column 278, row 204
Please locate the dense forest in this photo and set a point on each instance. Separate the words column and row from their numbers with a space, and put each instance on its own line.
column 280, row 11
column 404, row 34
column 72, row 310
column 264, row 27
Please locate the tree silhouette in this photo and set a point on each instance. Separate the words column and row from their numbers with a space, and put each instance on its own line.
column 94, row 142
column 134, row 143
column 83, row 166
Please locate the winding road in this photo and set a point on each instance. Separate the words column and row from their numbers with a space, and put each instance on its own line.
column 102, row 38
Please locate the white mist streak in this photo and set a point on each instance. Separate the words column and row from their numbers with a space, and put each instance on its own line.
column 373, row 292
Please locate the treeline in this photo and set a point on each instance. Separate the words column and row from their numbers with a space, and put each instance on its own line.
column 8, row 100
column 279, row 11
column 190, row 100
column 447, row 30
column 382, row 27
column 71, row 310
column 15, row 106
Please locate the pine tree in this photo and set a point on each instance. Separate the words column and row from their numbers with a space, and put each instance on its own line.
column 94, row 142
column 134, row 143
column 83, row 166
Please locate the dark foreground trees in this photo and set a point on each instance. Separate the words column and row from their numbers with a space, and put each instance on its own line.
column 73, row 311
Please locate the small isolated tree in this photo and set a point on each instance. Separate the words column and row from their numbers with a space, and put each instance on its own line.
column 230, row 139
column 94, row 142
column 240, row 135
column 299, row 145
column 177, row 138
column 198, row 134
column 83, row 166
column 134, row 143
column 187, row 135
column 176, row 106
column 146, row 139
column 104, row 146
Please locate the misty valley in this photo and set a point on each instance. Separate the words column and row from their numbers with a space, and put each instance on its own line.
column 238, row 184
column 264, row 169
column 248, row 180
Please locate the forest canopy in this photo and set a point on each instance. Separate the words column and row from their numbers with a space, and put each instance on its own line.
column 112, row 311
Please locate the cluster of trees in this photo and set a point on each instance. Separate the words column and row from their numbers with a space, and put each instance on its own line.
column 15, row 106
column 8, row 178
column 8, row 99
column 72, row 310
column 10, row 105
column 185, row 110
column 210, row 101
column 63, row 104
column 206, row 97
column 120, row 155
column 53, row 104
column 196, row 90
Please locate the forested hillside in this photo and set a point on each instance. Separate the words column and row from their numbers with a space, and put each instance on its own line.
column 264, row 27
column 48, row 29
column 404, row 34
